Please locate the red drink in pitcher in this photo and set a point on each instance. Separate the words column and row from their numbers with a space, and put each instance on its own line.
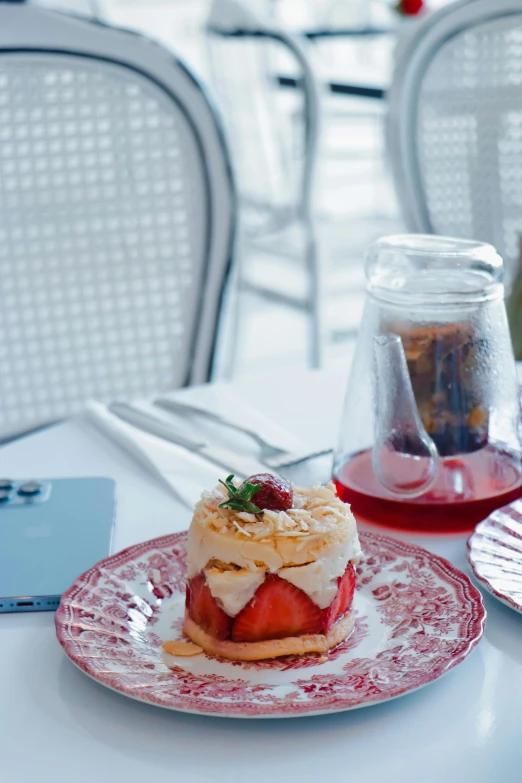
column 468, row 488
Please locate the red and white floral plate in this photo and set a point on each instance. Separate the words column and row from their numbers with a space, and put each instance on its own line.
column 495, row 554
column 417, row 618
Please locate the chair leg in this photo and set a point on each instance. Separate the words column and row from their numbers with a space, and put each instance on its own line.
column 315, row 308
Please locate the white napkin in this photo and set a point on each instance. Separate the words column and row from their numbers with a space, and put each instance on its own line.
column 187, row 474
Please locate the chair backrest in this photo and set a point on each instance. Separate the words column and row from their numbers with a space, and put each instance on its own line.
column 117, row 217
column 455, row 124
column 273, row 132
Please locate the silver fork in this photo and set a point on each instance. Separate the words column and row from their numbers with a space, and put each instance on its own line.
column 271, row 455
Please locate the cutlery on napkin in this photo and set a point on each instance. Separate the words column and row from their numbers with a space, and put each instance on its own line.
column 240, row 465
column 187, row 473
column 272, row 455
column 182, row 472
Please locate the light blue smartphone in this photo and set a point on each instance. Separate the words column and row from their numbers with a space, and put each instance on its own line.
column 50, row 532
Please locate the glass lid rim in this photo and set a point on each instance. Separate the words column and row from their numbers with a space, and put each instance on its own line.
column 451, row 298
column 406, row 243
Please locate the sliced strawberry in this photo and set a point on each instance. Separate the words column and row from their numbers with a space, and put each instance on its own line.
column 277, row 609
column 204, row 610
column 343, row 600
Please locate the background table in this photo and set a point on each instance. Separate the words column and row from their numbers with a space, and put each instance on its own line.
column 58, row 725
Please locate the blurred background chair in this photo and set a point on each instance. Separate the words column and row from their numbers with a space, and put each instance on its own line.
column 117, row 218
column 455, row 124
column 290, row 140
column 274, row 138
column 354, row 200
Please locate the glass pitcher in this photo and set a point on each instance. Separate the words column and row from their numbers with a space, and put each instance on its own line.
column 430, row 437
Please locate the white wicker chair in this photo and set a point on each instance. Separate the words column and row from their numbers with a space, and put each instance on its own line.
column 117, row 215
column 455, row 124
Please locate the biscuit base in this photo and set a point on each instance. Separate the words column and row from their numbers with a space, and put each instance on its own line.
column 270, row 648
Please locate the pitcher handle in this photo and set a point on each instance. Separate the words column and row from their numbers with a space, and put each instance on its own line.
column 404, row 457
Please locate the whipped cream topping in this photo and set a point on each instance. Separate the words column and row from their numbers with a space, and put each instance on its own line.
column 319, row 579
column 233, row 589
column 309, row 546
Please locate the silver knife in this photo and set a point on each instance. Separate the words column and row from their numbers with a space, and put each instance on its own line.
column 238, row 464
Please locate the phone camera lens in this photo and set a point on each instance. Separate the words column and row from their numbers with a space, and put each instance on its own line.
column 29, row 488
column 6, row 484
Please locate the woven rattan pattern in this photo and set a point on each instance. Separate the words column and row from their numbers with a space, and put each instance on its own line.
column 469, row 135
column 97, row 257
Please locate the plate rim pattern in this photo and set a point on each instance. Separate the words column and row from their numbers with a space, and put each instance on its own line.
column 471, row 631
column 471, row 549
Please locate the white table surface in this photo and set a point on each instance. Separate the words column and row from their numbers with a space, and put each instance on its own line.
column 58, row 725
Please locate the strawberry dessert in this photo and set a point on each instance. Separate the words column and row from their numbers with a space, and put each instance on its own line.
column 271, row 569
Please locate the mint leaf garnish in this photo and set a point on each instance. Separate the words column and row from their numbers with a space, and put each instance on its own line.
column 239, row 498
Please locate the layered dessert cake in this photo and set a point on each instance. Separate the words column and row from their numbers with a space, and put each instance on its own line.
column 270, row 569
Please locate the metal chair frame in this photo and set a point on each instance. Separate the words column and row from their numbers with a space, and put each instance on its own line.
column 304, row 214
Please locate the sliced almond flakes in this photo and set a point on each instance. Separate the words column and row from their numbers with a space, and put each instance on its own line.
column 175, row 647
